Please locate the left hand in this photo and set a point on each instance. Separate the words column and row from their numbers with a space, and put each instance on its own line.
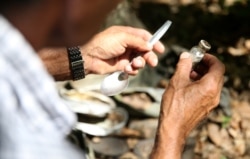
column 189, row 97
column 115, row 49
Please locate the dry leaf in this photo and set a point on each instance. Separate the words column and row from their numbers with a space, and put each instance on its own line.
column 214, row 133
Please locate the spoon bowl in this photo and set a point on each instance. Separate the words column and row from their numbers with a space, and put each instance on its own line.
column 114, row 83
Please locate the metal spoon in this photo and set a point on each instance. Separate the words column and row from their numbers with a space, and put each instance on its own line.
column 116, row 82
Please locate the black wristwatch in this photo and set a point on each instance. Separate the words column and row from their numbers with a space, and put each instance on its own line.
column 76, row 63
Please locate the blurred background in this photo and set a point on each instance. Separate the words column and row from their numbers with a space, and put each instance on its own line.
column 225, row 24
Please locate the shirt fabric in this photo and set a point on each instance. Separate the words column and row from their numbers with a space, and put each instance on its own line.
column 33, row 120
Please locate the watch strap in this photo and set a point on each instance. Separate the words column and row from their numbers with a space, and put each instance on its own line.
column 76, row 63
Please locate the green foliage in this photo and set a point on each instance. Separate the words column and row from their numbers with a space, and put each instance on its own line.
column 223, row 157
column 225, row 121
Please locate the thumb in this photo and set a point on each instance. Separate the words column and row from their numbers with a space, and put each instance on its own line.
column 184, row 66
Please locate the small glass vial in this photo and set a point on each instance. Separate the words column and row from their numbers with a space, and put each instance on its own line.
column 198, row 51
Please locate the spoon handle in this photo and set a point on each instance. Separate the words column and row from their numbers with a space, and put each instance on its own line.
column 156, row 37
column 160, row 32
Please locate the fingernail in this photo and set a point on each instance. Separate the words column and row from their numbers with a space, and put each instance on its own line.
column 128, row 68
column 155, row 62
column 138, row 60
column 185, row 55
column 162, row 47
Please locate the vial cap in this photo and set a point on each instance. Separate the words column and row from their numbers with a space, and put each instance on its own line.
column 204, row 45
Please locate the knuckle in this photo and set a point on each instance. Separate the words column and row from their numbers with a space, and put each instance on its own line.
column 175, row 83
column 212, row 92
column 123, row 35
column 210, row 89
column 213, row 85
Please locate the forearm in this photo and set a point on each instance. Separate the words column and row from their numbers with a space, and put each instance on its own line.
column 169, row 141
column 171, row 133
column 57, row 63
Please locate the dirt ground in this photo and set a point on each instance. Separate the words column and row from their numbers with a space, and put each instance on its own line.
column 225, row 25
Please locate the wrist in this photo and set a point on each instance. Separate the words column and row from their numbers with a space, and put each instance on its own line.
column 88, row 60
column 170, row 138
column 169, row 141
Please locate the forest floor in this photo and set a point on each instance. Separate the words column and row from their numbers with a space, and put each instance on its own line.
column 226, row 26
column 226, row 133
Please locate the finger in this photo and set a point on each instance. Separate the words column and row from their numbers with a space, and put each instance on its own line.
column 145, row 35
column 135, row 65
column 138, row 63
column 195, row 76
column 198, row 71
column 142, row 33
column 214, row 79
column 216, row 68
column 137, row 33
column 159, row 47
column 201, row 68
column 184, row 67
column 151, row 58
column 130, row 70
column 135, row 42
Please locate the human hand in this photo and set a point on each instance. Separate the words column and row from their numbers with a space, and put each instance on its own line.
column 120, row 48
column 188, row 99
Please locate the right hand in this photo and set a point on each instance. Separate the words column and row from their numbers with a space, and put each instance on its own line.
column 114, row 48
